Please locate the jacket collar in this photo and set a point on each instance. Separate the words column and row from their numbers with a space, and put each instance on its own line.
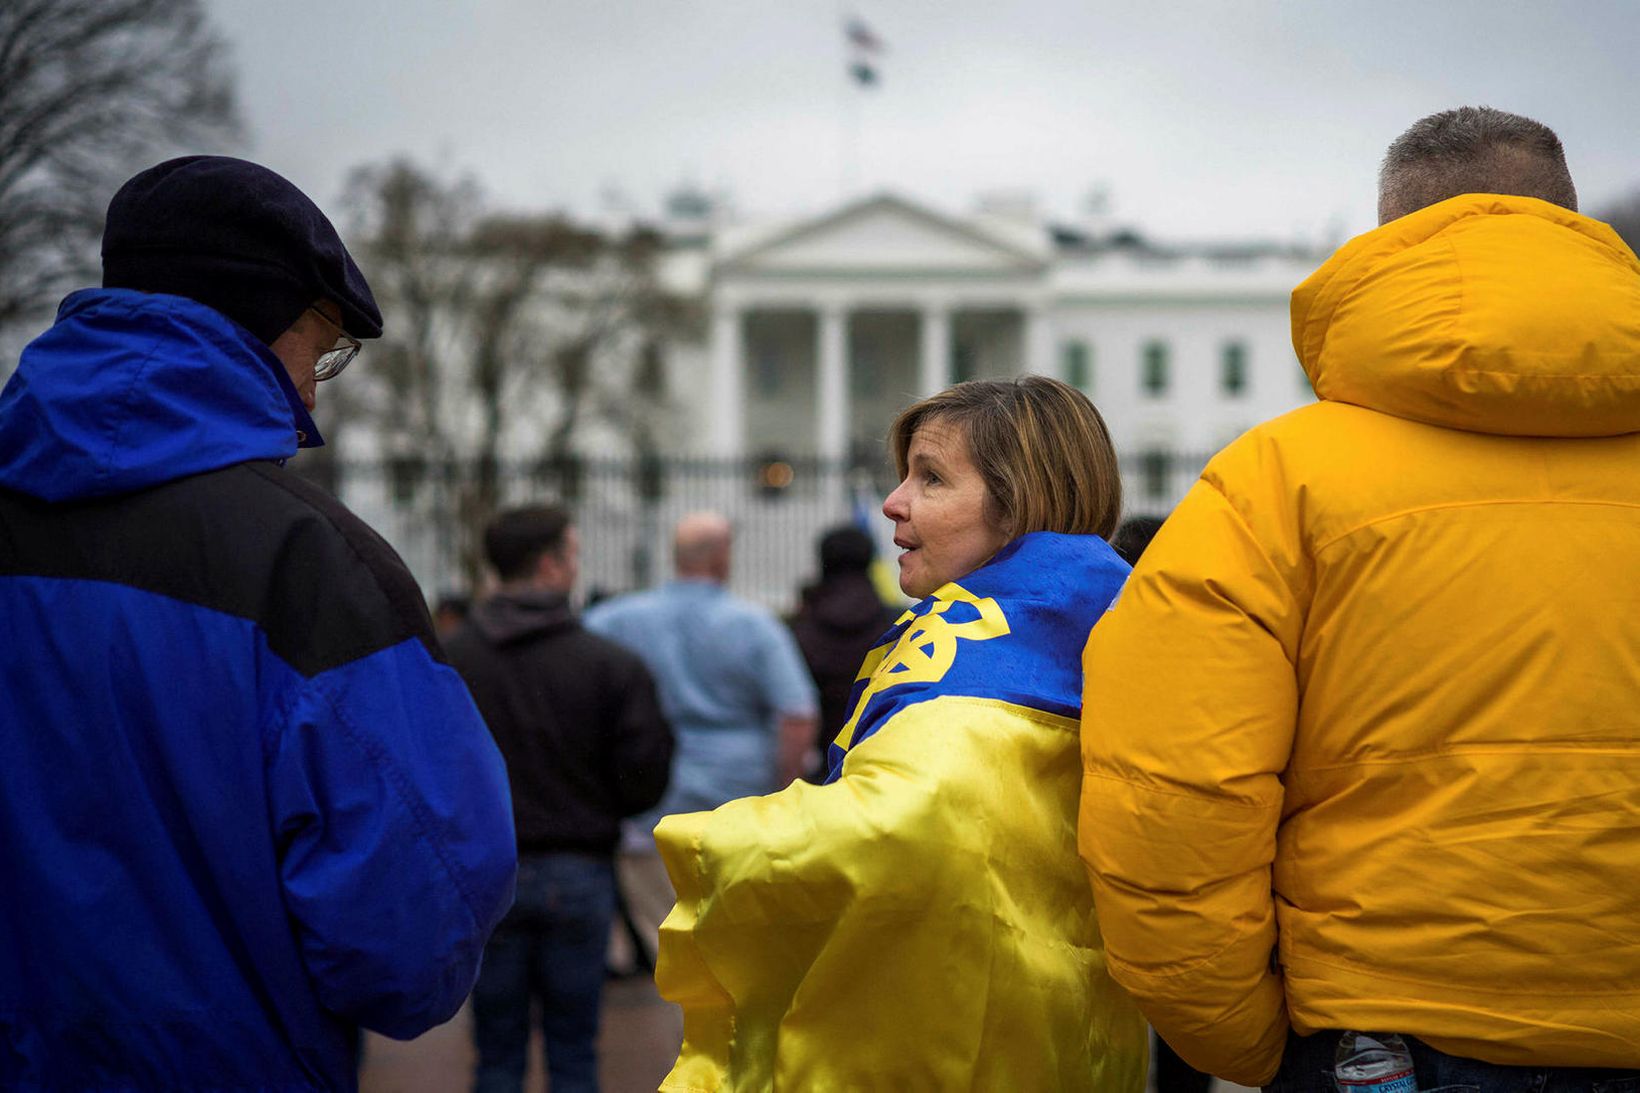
column 130, row 389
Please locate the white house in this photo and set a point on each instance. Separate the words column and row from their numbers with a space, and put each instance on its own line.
column 822, row 330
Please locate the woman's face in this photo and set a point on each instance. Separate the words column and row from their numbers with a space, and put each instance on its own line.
column 939, row 512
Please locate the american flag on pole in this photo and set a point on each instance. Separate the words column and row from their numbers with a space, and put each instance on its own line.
column 864, row 48
column 861, row 37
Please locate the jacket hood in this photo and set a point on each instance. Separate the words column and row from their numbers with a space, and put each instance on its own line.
column 130, row 389
column 1486, row 312
column 507, row 617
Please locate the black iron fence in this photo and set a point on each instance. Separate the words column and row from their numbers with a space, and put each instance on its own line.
column 625, row 509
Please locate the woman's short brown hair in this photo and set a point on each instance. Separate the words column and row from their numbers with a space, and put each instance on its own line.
column 1040, row 446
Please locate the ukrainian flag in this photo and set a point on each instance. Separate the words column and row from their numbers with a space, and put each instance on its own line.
column 922, row 920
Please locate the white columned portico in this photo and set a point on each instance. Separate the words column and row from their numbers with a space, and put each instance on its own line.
column 831, row 433
column 934, row 362
column 727, row 384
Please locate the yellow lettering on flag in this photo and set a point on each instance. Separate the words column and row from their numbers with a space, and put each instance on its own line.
column 926, row 651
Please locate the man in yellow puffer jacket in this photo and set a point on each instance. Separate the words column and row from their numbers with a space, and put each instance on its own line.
column 1362, row 734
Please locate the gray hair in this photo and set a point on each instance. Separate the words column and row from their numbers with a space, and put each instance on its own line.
column 1472, row 150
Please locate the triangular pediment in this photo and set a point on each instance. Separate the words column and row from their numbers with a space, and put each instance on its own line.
column 884, row 234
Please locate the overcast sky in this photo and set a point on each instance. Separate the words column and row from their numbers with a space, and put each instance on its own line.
column 1229, row 119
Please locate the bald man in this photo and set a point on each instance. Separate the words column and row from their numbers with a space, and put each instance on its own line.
column 732, row 683
column 700, row 547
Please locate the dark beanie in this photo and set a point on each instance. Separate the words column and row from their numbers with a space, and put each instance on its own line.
column 845, row 549
column 237, row 238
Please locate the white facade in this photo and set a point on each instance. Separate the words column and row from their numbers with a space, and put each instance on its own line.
column 818, row 333
column 821, row 331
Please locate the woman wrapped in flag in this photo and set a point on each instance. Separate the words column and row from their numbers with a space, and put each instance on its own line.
column 921, row 920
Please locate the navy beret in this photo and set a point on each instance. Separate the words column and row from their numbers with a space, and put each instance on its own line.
column 236, row 237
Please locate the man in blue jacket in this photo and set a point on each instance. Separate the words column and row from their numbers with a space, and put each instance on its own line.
column 245, row 808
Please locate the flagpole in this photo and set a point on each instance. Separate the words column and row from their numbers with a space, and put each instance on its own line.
column 849, row 178
column 862, row 50
column 848, row 116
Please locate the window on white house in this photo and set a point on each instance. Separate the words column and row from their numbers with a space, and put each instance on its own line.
column 1154, row 368
column 1233, row 369
column 1155, row 466
column 1078, row 366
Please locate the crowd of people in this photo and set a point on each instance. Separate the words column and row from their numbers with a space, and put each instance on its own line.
column 1331, row 779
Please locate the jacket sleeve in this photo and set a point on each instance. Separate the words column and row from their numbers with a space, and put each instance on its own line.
column 640, row 759
column 1189, row 707
column 395, row 839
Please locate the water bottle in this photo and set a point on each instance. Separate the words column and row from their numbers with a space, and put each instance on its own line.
column 1373, row 1063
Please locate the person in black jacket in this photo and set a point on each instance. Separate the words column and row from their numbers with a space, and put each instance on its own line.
column 579, row 725
column 840, row 619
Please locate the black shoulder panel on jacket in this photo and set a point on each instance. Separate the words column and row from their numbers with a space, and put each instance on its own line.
column 253, row 540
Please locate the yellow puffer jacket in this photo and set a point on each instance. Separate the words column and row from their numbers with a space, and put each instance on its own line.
column 1370, row 705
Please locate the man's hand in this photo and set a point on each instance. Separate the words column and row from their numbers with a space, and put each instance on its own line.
column 796, row 751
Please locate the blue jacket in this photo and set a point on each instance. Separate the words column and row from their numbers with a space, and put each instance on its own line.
column 244, row 805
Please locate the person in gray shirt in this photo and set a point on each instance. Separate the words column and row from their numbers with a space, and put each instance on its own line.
column 732, row 683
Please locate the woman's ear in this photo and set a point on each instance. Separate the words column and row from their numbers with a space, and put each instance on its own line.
column 1000, row 519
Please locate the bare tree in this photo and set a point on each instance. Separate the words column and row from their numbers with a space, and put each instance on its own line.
column 92, row 91
column 506, row 336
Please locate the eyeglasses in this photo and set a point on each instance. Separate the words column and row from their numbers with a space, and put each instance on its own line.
column 332, row 361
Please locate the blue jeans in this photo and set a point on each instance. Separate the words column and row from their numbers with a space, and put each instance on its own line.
column 1307, row 1067
column 550, row 947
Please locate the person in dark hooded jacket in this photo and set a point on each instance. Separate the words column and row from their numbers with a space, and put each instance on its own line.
column 586, row 745
column 840, row 619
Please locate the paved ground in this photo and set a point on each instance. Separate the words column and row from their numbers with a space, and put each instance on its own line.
column 640, row 1039
column 638, row 1042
